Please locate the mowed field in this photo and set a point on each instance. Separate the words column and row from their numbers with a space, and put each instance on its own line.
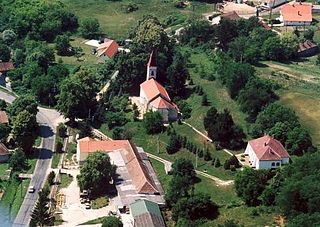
column 115, row 21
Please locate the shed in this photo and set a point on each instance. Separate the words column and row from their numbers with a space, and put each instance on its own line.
column 307, row 49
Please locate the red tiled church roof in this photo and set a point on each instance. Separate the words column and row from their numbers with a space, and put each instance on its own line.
column 267, row 149
column 152, row 89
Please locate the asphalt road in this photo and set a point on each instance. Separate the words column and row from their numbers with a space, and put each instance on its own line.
column 47, row 118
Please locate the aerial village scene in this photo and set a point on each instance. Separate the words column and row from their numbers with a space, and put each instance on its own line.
column 160, row 113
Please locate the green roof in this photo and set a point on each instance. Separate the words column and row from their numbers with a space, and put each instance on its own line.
column 144, row 206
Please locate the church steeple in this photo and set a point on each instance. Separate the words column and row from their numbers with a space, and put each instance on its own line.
column 152, row 66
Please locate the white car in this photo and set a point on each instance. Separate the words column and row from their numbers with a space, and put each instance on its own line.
column 31, row 189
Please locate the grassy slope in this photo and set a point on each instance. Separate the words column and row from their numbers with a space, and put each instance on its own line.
column 116, row 23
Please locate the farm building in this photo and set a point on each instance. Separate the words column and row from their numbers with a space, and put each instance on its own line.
column 307, row 49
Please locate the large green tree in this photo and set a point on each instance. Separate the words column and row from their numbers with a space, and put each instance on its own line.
column 111, row 221
column 153, row 122
column 89, row 28
column 18, row 160
column 25, row 129
column 41, row 215
column 21, row 103
column 97, row 173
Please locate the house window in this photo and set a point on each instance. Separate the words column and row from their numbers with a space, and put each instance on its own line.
column 272, row 164
column 278, row 164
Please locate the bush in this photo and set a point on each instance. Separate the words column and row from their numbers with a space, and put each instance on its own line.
column 58, row 147
column 62, row 130
column 51, row 177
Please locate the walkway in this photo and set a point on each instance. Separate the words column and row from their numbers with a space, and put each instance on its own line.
column 206, row 137
column 168, row 164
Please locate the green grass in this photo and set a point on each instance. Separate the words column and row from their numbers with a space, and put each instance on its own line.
column 161, row 173
column 94, row 221
column 115, row 23
column 3, row 170
column 13, row 198
column 71, row 150
column 37, row 142
column 32, row 160
column 99, row 202
column 55, row 160
column 65, row 180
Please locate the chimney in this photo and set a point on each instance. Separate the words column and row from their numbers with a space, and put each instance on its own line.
column 299, row 13
column 265, row 144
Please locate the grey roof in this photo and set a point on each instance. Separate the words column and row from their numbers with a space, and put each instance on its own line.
column 146, row 214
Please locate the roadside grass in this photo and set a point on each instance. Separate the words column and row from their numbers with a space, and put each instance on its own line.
column 57, row 220
column 115, row 22
column 32, row 160
column 65, row 180
column 3, row 170
column 55, row 160
column 99, row 202
column 13, row 198
column 37, row 142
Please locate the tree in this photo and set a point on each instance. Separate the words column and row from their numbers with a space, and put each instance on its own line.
column 185, row 109
column 153, row 122
column 305, row 220
column 210, row 118
column 184, row 167
column 9, row 36
column 254, row 97
column 217, row 163
column 62, row 130
column 89, row 28
column 196, row 207
column 96, row 173
column 226, row 32
column 18, row 160
column 177, row 75
column 273, row 49
column 21, row 103
column 174, row 144
column 41, row 214
column 4, row 132
column 249, row 185
column 232, row 161
column 77, row 96
column 111, row 221
column 51, row 177
column 4, row 53
column 204, row 101
column 207, row 156
column 25, row 129
column 308, row 34
column 299, row 141
column 63, row 45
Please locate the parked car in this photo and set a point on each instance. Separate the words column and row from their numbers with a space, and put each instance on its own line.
column 31, row 189
column 88, row 206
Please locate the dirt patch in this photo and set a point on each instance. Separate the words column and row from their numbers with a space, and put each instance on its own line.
column 242, row 9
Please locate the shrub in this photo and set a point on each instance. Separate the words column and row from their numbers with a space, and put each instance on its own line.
column 51, row 177
column 62, row 130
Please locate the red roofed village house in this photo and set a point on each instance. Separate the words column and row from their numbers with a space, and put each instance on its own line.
column 266, row 153
column 154, row 97
column 107, row 49
column 296, row 14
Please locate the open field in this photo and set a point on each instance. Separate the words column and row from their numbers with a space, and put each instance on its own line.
column 115, row 22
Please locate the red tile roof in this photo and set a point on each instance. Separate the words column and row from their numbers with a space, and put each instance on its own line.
column 231, row 15
column 109, row 48
column 152, row 89
column 306, row 45
column 6, row 66
column 3, row 117
column 267, row 149
column 297, row 12
column 4, row 150
column 139, row 174
column 161, row 103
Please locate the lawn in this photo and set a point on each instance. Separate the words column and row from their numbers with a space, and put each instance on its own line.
column 94, row 221
column 3, row 170
column 99, row 202
column 115, row 22
column 55, row 160
column 13, row 198
column 71, row 150
column 65, row 180
column 32, row 160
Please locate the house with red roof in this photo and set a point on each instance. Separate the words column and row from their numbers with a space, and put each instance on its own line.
column 154, row 97
column 266, row 153
column 107, row 49
column 296, row 14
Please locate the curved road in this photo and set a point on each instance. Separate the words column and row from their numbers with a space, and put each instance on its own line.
column 47, row 119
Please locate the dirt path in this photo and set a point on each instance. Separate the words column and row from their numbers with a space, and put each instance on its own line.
column 290, row 73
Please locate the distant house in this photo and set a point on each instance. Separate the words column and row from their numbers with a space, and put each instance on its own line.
column 146, row 214
column 230, row 15
column 6, row 66
column 307, row 49
column 269, row 4
column 3, row 117
column 266, row 153
column 296, row 14
column 4, row 153
column 154, row 97
column 107, row 49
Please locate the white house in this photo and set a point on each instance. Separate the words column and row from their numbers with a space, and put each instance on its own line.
column 272, row 3
column 266, row 153
column 296, row 14
column 154, row 97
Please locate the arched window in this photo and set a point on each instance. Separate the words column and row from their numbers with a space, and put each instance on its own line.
column 272, row 164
